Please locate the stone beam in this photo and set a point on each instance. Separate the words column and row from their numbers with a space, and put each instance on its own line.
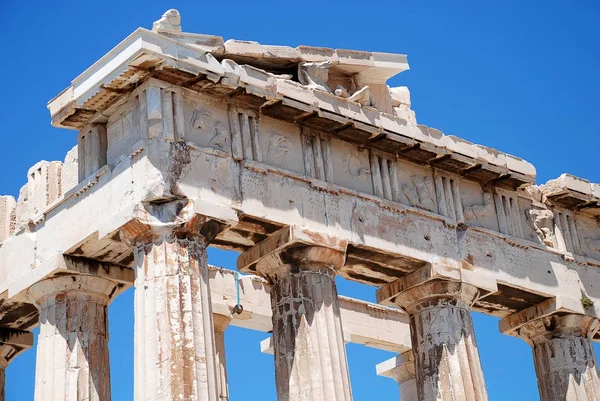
column 267, row 346
column 508, row 268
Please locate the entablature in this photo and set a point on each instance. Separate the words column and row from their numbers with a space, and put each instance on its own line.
column 162, row 120
column 146, row 54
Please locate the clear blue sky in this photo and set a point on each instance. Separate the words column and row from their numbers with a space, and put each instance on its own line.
column 518, row 76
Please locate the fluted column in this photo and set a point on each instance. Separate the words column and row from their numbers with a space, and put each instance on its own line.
column 310, row 355
column 3, row 380
column 408, row 390
column 401, row 368
column 175, row 355
column 447, row 361
column 564, row 359
column 72, row 350
column 221, row 322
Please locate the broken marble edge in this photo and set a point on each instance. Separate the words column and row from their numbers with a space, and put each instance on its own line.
column 142, row 44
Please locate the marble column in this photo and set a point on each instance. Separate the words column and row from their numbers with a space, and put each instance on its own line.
column 174, row 350
column 401, row 368
column 221, row 322
column 72, row 351
column 308, row 339
column 564, row 359
column 447, row 361
column 3, row 366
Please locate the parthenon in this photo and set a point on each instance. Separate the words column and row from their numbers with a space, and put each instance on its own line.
column 310, row 166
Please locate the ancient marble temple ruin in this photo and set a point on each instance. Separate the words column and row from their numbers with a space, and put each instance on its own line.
column 306, row 162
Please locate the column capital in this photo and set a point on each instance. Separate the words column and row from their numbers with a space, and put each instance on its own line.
column 175, row 219
column 73, row 307
column 552, row 318
column 173, row 309
column 12, row 343
column 71, row 285
column 293, row 249
column 558, row 326
column 439, row 305
column 400, row 368
column 221, row 316
column 436, row 292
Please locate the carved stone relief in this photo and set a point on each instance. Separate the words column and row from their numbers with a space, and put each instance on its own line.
column 542, row 222
column 281, row 145
column 315, row 75
column 203, row 123
column 362, row 96
column 206, row 124
column 418, row 192
column 341, row 91
column 351, row 166
column 478, row 212
column 355, row 168
column 415, row 186
column 478, row 206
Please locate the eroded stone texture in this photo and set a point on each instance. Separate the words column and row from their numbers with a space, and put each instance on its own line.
column 564, row 359
column 447, row 361
column 7, row 216
column 174, row 340
column 72, row 350
column 2, row 382
column 310, row 356
column 221, row 322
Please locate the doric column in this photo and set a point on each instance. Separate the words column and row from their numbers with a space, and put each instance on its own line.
column 3, row 381
column 174, row 350
column 12, row 343
column 447, row 361
column 221, row 318
column 308, row 339
column 72, row 350
column 563, row 356
column 401, row 368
